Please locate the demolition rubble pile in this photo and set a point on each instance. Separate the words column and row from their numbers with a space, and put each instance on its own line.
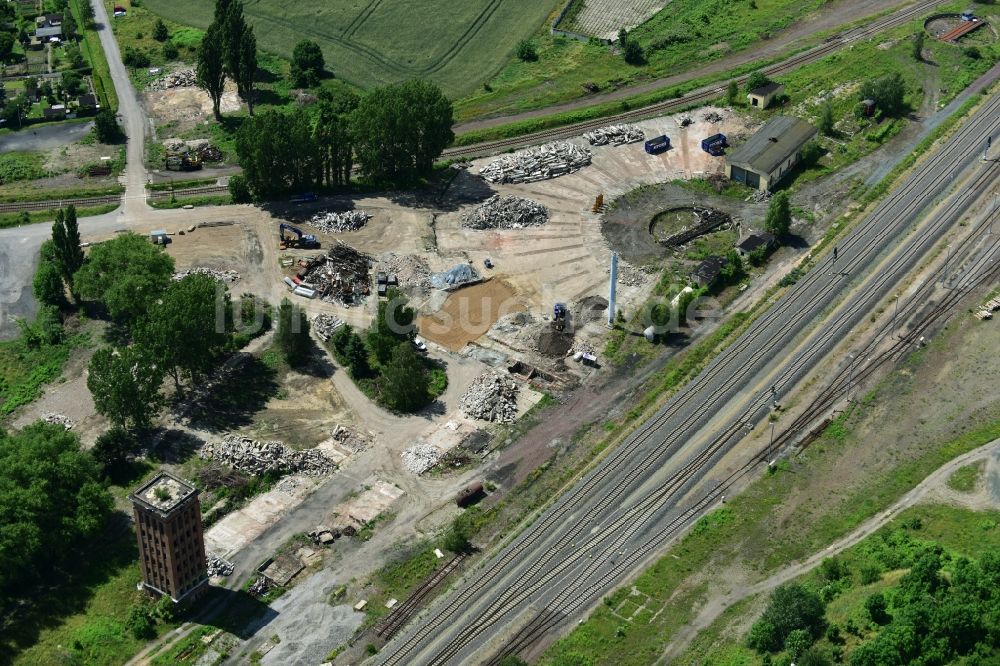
column 616, row 135
column 335, row 223
column 259, row 587
column 491, row 397
column 219, row 567
column 326, row 325
column 410, row 270
column 539, row 163
column 712, row 117
column 629, row 275
column 254, row 457
column 220, row 276
column 340, row 276
column 59, row 419
column 758, row 196
column 459, row 275
column 499, row 212
column 182, row 78
column 420, row 458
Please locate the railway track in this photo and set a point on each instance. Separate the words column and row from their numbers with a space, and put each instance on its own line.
column 695, row 97
column 402, row 614
column 630, row 461
column 83, row 202
column 190, row 192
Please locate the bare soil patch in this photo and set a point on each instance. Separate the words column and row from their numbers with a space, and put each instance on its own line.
column 468, row 313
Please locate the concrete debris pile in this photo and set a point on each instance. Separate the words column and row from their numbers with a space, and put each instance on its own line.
column 326, row 325
column 340, row 276
column 499, row 212
column 629, row 275
column 491, row 397
column 410, row 270
column 220, row 276
column 219, row 567
column 59, row 419
column 420, row 458
column 686, row 120
column 254, row 457
column 259, row 587
column 182, row 78
column 616, row 135
column 335, row 223
column 323, row 536
column 459, row 275
column 350, row 439
column 539, row 163
column 712, row 117
column 759, row 196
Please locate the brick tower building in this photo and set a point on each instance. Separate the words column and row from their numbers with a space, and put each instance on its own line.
column 171, row 539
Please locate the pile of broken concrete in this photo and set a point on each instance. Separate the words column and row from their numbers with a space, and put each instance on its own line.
column 335, row 223
column 182, row 78
column 256, row 457
column 491, row 397
column 616, row 135
column 326, row 325
column 410, row 270
column 219, row 567
column 420, row 458
column 220, row 276
column 539, row 163
column 499, row 212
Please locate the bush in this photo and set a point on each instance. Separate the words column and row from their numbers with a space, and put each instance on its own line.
column 526, row 50
column 160, row 32
column 239, row 189
column 170, row 51
column 972, row 53
column 307, row 64
column 140, row 622
column 106, row 127
column 112, row 450
column 790, row 608
column 633, row 53
column 756, row 80
column 133, row 57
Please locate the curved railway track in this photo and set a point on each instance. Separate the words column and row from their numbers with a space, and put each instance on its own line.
column 644, row 451
column 699, row 96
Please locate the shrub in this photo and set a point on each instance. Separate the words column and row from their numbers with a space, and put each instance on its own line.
column 526, row 50
column 239, row 189
column 160, row 32
column 133, row 57
column 633, row 53
column 170, row 51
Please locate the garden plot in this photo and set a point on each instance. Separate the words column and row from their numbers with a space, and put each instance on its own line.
column 604, row 18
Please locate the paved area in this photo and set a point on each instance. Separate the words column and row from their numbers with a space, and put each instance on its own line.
column 46, row 137
column 612, row 520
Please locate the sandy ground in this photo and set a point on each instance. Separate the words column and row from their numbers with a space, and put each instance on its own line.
column 187, row 107
column 468, row 313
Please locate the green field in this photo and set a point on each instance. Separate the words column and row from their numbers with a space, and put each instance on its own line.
column 372, row 42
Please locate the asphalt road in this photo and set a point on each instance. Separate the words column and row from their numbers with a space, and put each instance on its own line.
column 46, row 137
column 615, row 518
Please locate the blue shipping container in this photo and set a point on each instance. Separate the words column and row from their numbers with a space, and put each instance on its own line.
column 714, row 144
column 658, row 144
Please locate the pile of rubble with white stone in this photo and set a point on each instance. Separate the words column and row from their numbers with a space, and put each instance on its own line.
column 629, row 275
column 335, row 223
column 758, row 196
column 220, row 276
column 420, row 458
column 616, row 135
column 219, row 567
column 539, row 163
column 499, row 212
column 410, row 270
column 59, row 419
column 255, row 457
column 491, row 397
column 326, row 325
column 259, row 587
column 182, row 78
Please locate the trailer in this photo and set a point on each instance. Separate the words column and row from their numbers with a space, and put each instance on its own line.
column 658, row 144
column 715, row 144
column 470, row 494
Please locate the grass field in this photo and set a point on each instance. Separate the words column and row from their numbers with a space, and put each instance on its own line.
column 373, row 42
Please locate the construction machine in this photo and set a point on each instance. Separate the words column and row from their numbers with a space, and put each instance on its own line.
column 301, row 240
column 559, row 316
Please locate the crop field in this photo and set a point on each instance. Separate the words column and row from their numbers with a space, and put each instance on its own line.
column 604, row 18
column 371, row 42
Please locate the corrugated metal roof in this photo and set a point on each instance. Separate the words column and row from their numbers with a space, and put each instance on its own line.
column 766, row 89
column 772, row 144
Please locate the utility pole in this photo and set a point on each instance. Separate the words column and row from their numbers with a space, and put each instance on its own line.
column 895, row 312
column 770, row 446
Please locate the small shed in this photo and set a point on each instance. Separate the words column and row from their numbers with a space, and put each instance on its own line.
column 707, row 272
column 762, row 96
column 770, row 153
column 159, row 236
column 88, row 101
column 55, row 112
column 755, row 241
column 868, row 107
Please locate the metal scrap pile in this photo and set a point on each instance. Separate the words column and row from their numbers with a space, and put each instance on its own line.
column 182, row 78
column 221, row 276
column 59, row 419
column 409, row 269
column 499, row 212
column 333, row 222
column 491, row 397
column 616, row 135
column 340, row 276
column 759, row 196
column 539, row 163
column 326, row 325
column 219, row 567
column 259, row 587
column 420, row 458
column 458, row 275
column 712, row 117
column 254, row 457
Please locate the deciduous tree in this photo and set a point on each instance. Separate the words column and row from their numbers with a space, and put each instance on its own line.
column 779, row 215
column 292, row 335
column 244, row 76
column 210, row 72
column 404, row 383
column 888, row 93
column 307, row 64
column 125, row 385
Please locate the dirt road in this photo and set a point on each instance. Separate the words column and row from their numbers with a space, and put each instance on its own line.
column 934, row 486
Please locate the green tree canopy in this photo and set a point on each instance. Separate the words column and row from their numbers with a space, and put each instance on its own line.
column 399, row 130
column 50, row 499
column 106, row 127
column 277, row 152
column 292, row 335
column 160, row 32
column 393, row 325
column 888, row 93
column 779, row 215
column 125, row 385
column 756, row 80
column 404, row 382
column 47, row 285
column 210, row 71
column 307, row 64
column 126, row 274
column 66, row 240
column 791, row 607
column 185, row 331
